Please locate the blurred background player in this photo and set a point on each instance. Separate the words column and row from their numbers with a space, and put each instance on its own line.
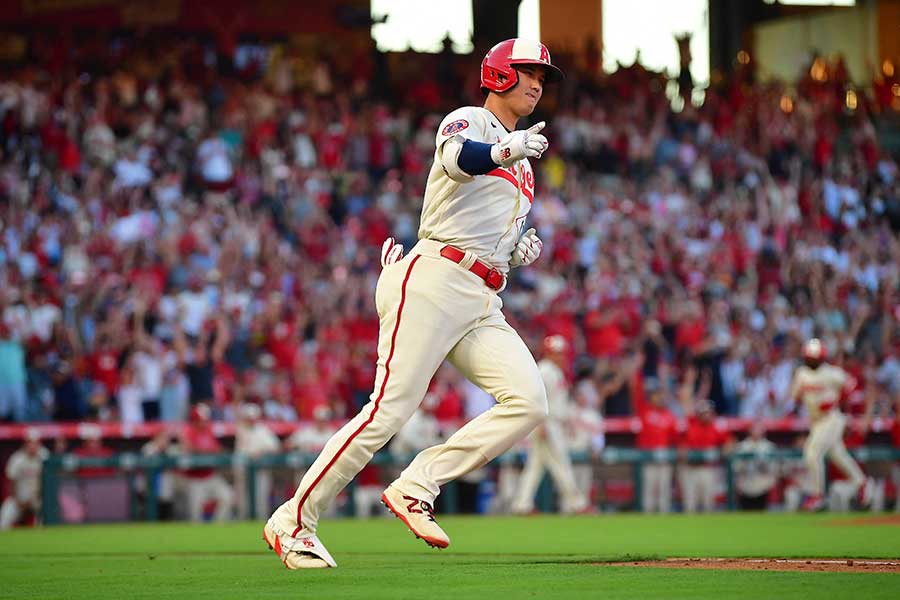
column 700, row 476
column 23, row 470
column 165, row 482
column 658, row 434
column 755, row 477
column 253, row 439
column 818, row 385
column 549, row 449
column 587, row 438
column 204, row 484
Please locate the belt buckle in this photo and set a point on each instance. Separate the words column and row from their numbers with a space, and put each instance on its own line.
column 494, row 279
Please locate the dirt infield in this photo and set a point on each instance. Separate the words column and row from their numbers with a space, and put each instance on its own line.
column 884, row 520
column 819, row 565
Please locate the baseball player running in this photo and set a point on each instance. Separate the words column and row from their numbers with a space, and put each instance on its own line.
column 818, row 385
column 24, row 473
column 549, row 450
column 441, row 301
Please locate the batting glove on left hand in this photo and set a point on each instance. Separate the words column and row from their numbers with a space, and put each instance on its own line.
column 527, row 250
column 523, row 143
column 390, row 252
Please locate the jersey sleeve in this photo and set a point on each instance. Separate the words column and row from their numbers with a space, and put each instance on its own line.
column 844, row 381
column 468, row 122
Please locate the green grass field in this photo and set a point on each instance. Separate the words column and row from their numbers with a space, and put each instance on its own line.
column 489, row 557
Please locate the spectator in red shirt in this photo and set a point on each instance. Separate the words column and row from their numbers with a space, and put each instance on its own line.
column 659, row 431
column 104, row 364
column 93, row 448
column 700, row 476
column 204, row 484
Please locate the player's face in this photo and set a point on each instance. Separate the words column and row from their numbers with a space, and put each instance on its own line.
column 523, row 98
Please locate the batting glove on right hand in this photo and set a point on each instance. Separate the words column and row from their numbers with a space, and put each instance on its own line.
column 390, row 252
column 527, row 143
column 527, row 250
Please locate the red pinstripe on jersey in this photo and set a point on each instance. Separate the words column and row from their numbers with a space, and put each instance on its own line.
column 387, row 374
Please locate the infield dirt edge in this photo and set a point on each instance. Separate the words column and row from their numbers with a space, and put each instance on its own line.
column 811, row 565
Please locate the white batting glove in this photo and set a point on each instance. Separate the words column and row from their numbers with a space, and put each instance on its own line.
column 390, row 252
column 527, row 143
column 527, row 250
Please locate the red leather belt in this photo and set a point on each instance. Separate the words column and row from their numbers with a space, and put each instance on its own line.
column 826, row 406
column 491, row 276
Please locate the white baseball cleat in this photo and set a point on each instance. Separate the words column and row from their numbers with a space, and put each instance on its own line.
column 305, row 552
column 418, row 516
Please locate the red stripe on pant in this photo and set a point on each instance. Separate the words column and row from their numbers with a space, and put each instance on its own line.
column 387, row 373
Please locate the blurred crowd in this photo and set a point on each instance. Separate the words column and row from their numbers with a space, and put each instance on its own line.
column 181, row 227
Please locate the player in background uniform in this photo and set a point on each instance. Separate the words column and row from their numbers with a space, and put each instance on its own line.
column 700, row 477
column 755, row 477
column 164, row 483
column 587, row 436
column 253, row 439
column 549, row 450
column 23, row 470
column 818, row 385
column 441, row 301
column 204, row 484
column 659, row 433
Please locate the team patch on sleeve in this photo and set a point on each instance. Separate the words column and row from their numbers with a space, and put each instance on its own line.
column 454, row 127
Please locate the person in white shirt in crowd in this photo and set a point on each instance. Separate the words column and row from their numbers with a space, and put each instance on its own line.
column 148, row 363
column 214, row 162
column 755, row 477
column 757, row 395
column 253, row 439
column 23, row 470
column 129, row 396
column 549, row 449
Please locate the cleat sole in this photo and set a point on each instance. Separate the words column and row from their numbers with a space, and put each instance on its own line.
column 428, row 541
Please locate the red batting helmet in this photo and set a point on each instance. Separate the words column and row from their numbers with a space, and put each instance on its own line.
column 814, row 349
column 498, row 73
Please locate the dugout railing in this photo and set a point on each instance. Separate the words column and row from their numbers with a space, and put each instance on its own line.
column 129, row 465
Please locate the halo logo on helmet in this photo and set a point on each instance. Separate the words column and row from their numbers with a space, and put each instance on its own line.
column 498, row 69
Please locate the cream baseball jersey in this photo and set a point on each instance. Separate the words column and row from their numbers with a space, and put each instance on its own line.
column 485, row 215
column 557, row 392
column 819, row 389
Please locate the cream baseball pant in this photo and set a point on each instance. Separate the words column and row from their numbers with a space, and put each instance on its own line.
column 548, row 452
column 202, row 490
column 429, row 309
column 826, row 437
column 656, row 487
column 698, row 487
column 11, row 511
